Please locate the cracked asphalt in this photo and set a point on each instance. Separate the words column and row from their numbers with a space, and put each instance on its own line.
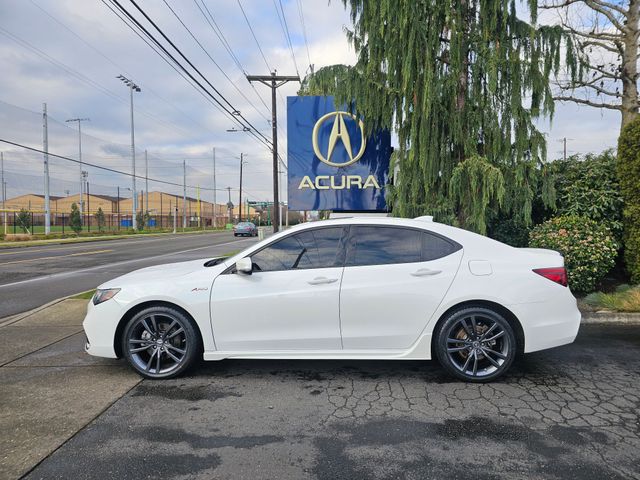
column 567, row 413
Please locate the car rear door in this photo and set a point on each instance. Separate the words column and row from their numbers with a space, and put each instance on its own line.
column 393, row 281
column 289, row 302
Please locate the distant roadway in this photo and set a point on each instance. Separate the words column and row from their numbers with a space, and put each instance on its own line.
column 33, row 276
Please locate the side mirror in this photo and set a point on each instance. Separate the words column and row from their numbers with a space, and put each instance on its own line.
column 244, row 266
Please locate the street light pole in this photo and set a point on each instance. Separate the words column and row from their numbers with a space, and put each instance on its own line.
column 45, row 147
column 240, row 196
column 146, row 182
column 184, row 194
column 4, row 200
column 80, row 120
column 132, row 86
column 215, row 206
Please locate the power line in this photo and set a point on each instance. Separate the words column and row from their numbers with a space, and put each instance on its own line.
column 119, row 67
column 83, row 78
column 214, row 62
column 233, row 112
column 254, row 35
column 285, row 30
column 166, row 60
column 112, row 170
column 218, row 31
column 304, row 33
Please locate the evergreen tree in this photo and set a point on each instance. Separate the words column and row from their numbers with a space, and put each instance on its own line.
column 100, row 220
column 629, row 173
column 457, row 80
column 24, row 220
column 75, row 222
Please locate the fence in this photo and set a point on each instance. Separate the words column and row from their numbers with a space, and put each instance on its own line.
column 113, row 222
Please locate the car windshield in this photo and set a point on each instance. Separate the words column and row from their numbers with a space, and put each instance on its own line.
column 245, row 224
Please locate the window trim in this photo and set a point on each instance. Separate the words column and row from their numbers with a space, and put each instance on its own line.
column 352, row 244
column 342, row 249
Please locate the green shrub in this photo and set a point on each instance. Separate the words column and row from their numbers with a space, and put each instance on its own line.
column 510, row 231
column 588, row 247
column 588, row 186
column 629, row 174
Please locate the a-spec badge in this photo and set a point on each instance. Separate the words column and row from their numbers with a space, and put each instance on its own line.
column 198, row 289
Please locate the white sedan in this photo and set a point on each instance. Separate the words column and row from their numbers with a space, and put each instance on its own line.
column 352, row 288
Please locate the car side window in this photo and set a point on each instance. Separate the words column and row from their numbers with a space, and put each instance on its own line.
column 317, row 248
column 385, row 245
column 434, row 247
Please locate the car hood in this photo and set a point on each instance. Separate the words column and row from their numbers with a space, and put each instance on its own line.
column 160, row 273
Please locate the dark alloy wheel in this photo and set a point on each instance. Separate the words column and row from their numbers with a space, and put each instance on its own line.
column 476, row 344
column 160, row 342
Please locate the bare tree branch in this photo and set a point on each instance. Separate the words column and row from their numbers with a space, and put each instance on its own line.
column 610, row 5
column 582, row 101
column 567, row 3
column 594, row 43
column 602, row 71
column 612, row 37
column 597, row 6
column 552, row 6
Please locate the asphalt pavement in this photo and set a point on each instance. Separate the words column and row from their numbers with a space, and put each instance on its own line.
column 567, row 413
column 33, row 276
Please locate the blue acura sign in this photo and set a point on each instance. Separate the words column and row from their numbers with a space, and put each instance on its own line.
column 332, row 164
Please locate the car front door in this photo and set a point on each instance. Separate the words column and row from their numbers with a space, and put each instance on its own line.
column 291, row 299
column 393, row 281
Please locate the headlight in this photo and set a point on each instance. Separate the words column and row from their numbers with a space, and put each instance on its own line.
column 104, row 295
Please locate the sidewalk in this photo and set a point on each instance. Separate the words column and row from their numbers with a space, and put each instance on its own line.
column 49, row 388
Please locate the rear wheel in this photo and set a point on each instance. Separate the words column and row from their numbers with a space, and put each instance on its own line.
column 160, row 342
column 476, row 344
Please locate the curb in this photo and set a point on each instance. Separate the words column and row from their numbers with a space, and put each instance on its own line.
column 10, row 320
column 606, row 317
column 72, row 240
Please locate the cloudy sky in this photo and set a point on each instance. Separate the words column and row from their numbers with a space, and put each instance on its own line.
column 68, row 53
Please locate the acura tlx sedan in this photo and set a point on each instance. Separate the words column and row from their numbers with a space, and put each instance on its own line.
column 352, row 288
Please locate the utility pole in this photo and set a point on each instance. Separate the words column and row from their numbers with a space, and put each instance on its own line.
column 215, row 206
column 88, row 209
column 118, row 207
column 240, row 192
column 564, row 149
column 230, row 206
column 132, row 86
column 80, row 120
column 184, row 194
column 45, row 148
column 274, row 81
column 146, row 182
column 2, row 187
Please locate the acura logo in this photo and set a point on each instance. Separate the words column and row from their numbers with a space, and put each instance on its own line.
column 339, row 131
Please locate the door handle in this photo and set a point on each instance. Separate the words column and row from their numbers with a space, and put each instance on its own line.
column 424, row 272
column 322, row 281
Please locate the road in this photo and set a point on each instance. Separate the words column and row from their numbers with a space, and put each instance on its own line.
column 567, row 413
column 33, row 276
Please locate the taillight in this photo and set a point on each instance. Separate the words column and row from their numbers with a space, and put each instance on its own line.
column 555, row 274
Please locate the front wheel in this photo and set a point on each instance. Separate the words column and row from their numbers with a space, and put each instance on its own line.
column 160, row 342
column 476, row 344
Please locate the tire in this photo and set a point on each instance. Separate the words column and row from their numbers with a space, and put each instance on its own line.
column 170, row 337
column 475, row 344
column 235, row 234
